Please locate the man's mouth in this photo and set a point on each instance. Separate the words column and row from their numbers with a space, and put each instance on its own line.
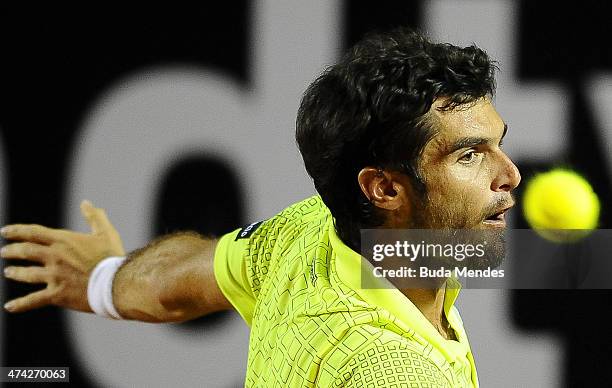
column 497, row 219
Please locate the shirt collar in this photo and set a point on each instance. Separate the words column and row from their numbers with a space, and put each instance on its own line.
column 350, row 266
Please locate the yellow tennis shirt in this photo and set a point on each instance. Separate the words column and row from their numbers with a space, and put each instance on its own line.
column 298, row 287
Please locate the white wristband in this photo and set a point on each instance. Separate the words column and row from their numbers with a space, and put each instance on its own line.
column 100, row 287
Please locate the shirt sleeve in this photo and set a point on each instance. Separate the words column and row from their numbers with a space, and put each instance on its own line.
column 242, row 261
column 231, row 274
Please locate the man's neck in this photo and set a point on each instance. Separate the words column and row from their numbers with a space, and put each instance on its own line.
column 430, row 301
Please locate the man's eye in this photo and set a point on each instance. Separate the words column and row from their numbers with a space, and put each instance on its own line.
column 470, row 157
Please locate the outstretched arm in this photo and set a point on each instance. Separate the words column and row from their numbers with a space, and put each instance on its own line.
column 169, row 280
column 177, row 273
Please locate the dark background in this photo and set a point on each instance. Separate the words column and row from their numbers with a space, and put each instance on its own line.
column 54, row 62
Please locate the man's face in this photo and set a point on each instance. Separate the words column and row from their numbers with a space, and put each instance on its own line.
column 467, row 175
column 468, row 179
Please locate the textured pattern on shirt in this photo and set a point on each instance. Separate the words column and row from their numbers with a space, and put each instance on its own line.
column 310, row 329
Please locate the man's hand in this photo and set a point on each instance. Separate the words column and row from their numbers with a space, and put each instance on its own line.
column 65, row 260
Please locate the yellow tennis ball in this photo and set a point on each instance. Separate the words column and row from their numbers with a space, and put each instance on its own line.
column 561, row 205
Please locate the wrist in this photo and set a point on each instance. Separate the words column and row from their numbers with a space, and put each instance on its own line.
column 100, row 287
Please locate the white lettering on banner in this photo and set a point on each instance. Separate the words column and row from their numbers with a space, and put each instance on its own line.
column 537, row 128
column 599, row 95
column 145, row 122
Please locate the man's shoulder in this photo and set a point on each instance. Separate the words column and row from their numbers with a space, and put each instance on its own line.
column 310, row 213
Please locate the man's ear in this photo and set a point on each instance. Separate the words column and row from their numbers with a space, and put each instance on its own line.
column 382, row 188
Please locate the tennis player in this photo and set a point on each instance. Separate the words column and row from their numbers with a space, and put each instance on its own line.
column 400, row 133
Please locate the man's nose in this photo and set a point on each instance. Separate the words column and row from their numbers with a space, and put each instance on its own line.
column 508, row 176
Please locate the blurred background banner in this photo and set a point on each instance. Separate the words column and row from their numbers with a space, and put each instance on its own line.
column 3, row 166
column 183, row 118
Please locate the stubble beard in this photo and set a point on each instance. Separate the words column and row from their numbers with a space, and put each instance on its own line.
column 428, row 216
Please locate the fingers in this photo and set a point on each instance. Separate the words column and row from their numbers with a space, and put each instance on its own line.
column 32, row 274
column 26, row 251
column 35, row 233
column 31, row 301
column 96, row 218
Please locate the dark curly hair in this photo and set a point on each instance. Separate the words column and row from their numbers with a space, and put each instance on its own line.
column 370, row 109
